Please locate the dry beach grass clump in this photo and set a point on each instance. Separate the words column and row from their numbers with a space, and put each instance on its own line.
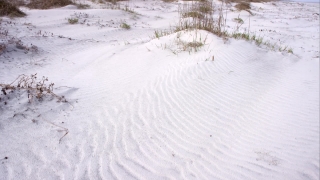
column 9, row 9
column 40, row 4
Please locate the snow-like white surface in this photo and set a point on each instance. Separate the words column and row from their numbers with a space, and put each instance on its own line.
column 308, row 1
column 139, row 111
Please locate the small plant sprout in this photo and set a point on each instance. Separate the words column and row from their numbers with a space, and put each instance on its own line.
column 73, row 20
column 258, row 41
column 129, row 10
column 161, row 33
column 253, row 37
column 239, row 20
column 125, row 26
column 156, row 34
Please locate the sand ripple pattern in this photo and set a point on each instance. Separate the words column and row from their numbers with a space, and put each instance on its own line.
column 225, row 119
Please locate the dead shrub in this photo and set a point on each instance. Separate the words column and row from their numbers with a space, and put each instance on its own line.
column 193, row 14
column 114, row 1
column 169, row 1
column 238, row 1
column 205, row 7
column 2, row 48
column 35, row 88
column 196, row 0
column 46, row 4
column 205, row 21
column 82, row 6
column 8, row 9
column 18, row 2
column 243, row 6
column 10, row 43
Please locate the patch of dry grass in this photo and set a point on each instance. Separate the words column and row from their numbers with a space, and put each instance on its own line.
column 125, row 26
column 243, row 6
column 248, row 1
column 205, row 21
column 205, row 9
column 82, row 6
column 105, row 1
column 47, row 4
column 8, row 9
column 196, row 0
column 17, row 2
column 193, row 14
column 169, row 1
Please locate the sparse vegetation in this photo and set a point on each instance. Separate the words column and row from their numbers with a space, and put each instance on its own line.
column 194, row 45
column 245, row 36
column 243, row 6
column 8, row 9
column 258, row 41
column 239, row 20
column 35, row 88
column 73, row 20
column 2, row 48
column 193, row 14
column 205, row 20
column 195, row 0
column 182, row 42
column 82, row 6
column 46, row 4
column 125, row 26
column 9, row 42
column 206, row 7
column 161, row 33
column 249, row 1
column 129, row 10
column 113, row 1
column 169, row 1
column 191, row 46
column 17, row 3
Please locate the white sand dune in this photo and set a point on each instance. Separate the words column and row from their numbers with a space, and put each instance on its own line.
column 139, row 111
